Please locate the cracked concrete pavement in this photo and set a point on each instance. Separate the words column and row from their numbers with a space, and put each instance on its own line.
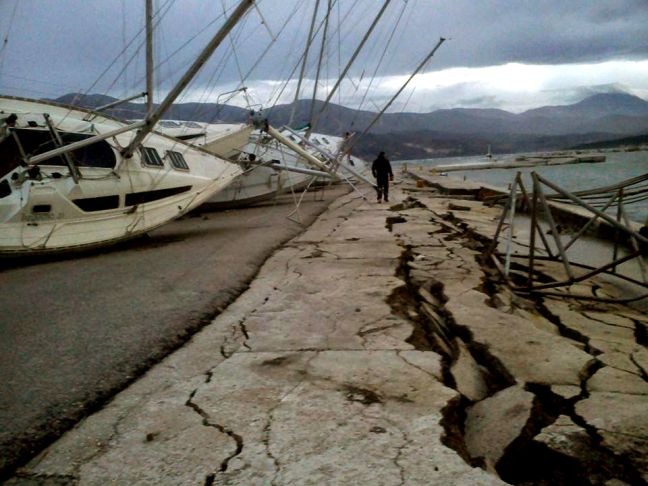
column 376, row 348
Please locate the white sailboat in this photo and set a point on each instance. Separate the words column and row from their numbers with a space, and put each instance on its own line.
column 71, row 179
column 268, row 167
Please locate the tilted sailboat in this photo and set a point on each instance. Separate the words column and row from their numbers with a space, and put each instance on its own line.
column 93, row 195
column 269, row 170
column 71, row 179
column 268, row 167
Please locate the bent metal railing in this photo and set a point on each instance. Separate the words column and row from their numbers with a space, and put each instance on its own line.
column 537, row 202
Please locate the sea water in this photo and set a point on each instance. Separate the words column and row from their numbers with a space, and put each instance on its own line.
column 617, row 167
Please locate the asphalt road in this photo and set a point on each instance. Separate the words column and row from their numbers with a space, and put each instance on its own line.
column 76, row 330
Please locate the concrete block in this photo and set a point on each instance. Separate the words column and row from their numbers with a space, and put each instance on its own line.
column 492, row 424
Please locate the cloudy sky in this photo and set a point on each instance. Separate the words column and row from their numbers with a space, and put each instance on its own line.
column 506, row 54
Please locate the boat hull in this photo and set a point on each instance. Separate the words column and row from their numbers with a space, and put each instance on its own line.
column 260, row 184
column 46, row 210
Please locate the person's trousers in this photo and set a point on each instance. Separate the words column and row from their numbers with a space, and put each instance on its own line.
column 383, row 190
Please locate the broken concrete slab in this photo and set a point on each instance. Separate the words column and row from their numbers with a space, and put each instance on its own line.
column 568, row 392
column 548, row 359
column 622, row 421
column 610, row 319
column 620, row 361
column 427, row 361
column 485, row 435
column 639, row 357
column 591, row 330
column 538, row 321
column 609, row 379
column 567, row 438
column 468, row 374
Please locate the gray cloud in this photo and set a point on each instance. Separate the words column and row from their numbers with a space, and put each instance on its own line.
column 55, row 47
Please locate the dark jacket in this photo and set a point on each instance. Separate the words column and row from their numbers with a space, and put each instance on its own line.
column 381, row 169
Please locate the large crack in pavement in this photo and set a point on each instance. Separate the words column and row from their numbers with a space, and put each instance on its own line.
column 524, row 460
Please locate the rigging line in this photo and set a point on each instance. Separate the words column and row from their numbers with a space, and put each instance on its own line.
column 39, row 81
column 31, row 90
column 420, row 66
column 292, row 73
column 279, row 89
column 236, row 59
column 304, row 61
column 319, row 63
column 123, row 39
column 182, row 46
column 5, row 41
column 382, row 57
column 411, row 94
column 114, row 62
column 235, row 38
column 139, row 32
column 339, row 44
column 263, row 22
column 353, row 58
column 239, row 29
column 409, row 98
column 287, row 64
column 399, row 39
column 210, row 85
column 265, row 52
column 245, row 76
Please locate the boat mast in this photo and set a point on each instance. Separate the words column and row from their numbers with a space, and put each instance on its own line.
column 393, row 98
column 149, row 56
column 319, row 64
column 153, row 117
column 303, row 66
column 348, row 66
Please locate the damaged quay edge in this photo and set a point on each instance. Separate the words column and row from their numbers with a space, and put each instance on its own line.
column 376, row 347
column 551, row 389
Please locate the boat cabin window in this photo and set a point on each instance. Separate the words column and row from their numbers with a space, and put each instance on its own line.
column 39, row 141
column 192, row 124
column 100, row 203
column 135, row 198
column 177, row 160
column 150, row 157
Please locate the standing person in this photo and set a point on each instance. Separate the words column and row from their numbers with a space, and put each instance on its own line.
column 382, row 171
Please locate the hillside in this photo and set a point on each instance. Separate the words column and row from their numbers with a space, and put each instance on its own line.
column 617, row 142
column 452, row 132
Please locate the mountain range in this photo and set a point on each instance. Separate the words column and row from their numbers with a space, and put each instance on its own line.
column 451, row 132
